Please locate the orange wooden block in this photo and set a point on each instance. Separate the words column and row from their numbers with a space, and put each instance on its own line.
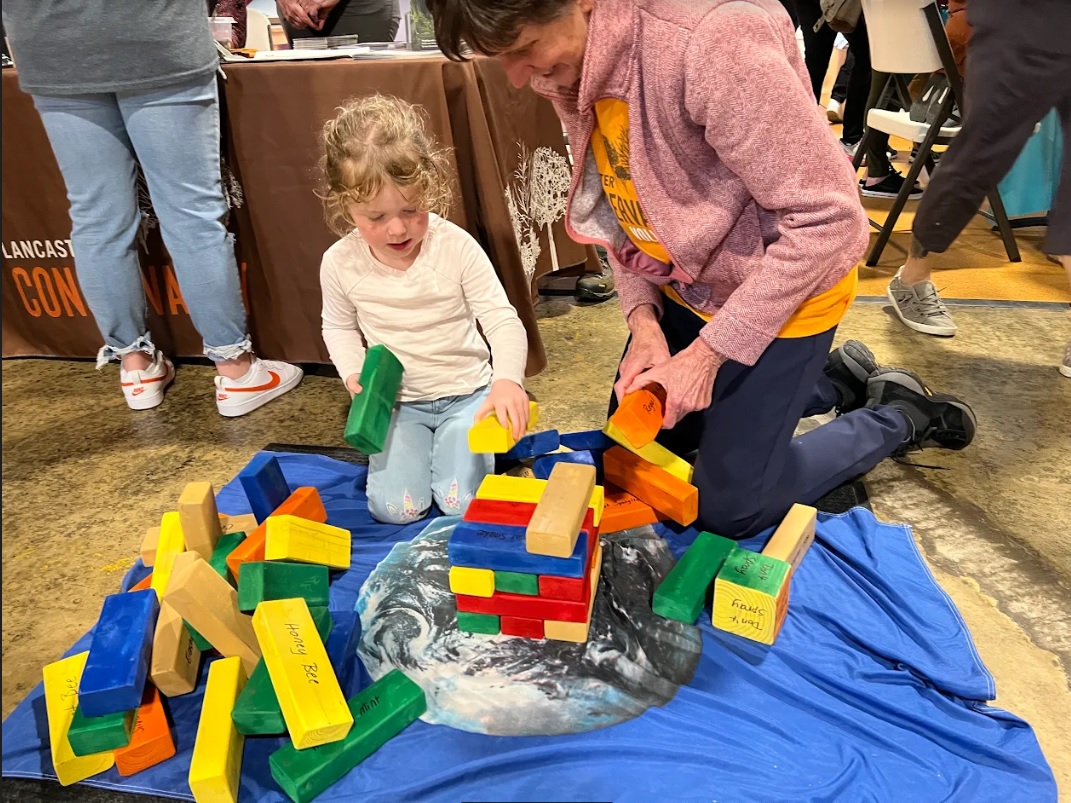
column 639, row 416
column 150, row 741
column 304, row 503
column 624, row 511
column 658, row 488
column 142, row 584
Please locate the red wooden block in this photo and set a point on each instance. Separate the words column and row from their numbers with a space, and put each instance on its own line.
column 569, row 588
column 528, row 607
column 519, row 626
column 519, row 514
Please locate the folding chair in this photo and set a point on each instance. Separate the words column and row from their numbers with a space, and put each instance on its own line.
column 908, row 37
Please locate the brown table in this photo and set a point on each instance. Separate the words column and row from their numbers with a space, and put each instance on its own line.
column 273, row 114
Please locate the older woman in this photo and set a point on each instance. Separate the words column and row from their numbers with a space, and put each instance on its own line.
column 733, row 225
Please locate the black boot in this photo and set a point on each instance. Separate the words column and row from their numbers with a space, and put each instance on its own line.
column 848, row 368
column 936, row 419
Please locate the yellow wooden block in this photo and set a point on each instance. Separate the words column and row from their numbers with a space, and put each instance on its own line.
column 61, row 699
column 751, row 595
column 654, row 453
column 216, row 766
column 304, row 541
column 172, row 542
column 504, row 488
column 311, row 700
column 244, row 523
column 794, row 536
column 488, row 435
column 472, row 582
column 148, row 545
column 577, row 632
column 556, row 521
column 199, row 517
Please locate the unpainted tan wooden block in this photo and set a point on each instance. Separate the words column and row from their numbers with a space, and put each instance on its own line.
column 560, row 512
column 200, row 519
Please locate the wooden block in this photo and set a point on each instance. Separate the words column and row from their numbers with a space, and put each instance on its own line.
column 624, row 511
column 183, row 559
column 175, row 658
column 210, row 604
column 750, row 595
column 592, row 440
column 521, row 627
column 271, row 580
column 172, row 542
column 577, row 632
column 118, row 663
column 545, row 464
column 199, row 517
column 216, row 766
column 341, row 647
column 656, row 454
column 520, row 583
column 665, row 493
column 371, row 409
column 89, row 735
column 534, row 445
column 684, row 591
column 522, row 489
column 475, row 582
column 555, row 525
column 227, row 543
column 482, row 623
column 570, row 588
column 309, row 695
column 380, row 713
column 501, row 548
column 61, row 679
column 493, row 511
column 244, row 523
column 292, row 538
column 525, row 607
column 150, row 742
column 148, row 545
column 304, row 503
column 264, row 485
column 794, row 536
column 639, row 416
column 143, row 583
column 489, row 435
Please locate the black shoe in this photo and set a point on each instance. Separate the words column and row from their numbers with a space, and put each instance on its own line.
column 936, row 419
column 889, row 187
column 594, row 288
column 848, row 368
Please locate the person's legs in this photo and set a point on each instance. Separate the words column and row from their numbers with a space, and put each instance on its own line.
column 817, row 45
column 857, row 89
column 399, row 477
column 456, row 472
column 1058, row 237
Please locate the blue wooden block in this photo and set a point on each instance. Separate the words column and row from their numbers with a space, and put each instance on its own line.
column 534, row 445
column 502, row 548
column 593, row 440
column 545, row 464
column 118, row 661
column 264, row 485
column 341, row 647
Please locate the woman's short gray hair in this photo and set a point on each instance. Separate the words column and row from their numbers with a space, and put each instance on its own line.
column 487, row 26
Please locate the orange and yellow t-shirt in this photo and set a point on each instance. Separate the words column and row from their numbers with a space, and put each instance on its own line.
column 610, row 147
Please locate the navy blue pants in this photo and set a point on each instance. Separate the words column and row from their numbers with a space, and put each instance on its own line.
column 749, row 468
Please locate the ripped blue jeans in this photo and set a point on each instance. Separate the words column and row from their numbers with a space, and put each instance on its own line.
column 427, row 459
column 173, row 132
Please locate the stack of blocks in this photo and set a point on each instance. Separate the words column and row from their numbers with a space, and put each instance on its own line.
column 277, row 673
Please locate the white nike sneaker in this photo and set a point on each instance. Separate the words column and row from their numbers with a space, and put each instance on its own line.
column 265, row 380
column 144, row 390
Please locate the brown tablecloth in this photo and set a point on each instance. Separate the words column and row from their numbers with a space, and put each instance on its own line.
column 273, row 114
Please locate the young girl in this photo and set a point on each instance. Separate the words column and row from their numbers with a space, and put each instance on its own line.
column 407, row 278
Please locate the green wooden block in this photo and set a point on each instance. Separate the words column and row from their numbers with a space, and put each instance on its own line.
column 199, row 641
column 517, row 583
column 682, row 594
column 372, row 408
column 380, row 712
column 224, row 547
column 266, row 580
column 478, row 623
column 755, row 571
column 256, row 711
column 90, row 735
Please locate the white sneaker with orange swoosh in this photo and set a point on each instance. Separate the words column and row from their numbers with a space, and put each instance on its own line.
column 265, row 380
column 144, row 390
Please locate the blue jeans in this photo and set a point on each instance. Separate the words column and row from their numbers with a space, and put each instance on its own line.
column 426, row 458
column 174, row 133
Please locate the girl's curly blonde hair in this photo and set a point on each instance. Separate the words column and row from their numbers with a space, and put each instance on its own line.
column 372, row 140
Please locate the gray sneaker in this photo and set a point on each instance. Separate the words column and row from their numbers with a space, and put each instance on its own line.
column 920, row 308
column 1065, row 368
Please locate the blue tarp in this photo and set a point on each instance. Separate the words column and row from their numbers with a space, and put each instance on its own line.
column 873, row 692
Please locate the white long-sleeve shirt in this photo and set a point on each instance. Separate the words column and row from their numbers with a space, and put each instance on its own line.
column 426, row 315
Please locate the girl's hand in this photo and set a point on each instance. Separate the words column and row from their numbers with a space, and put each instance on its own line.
column 353, row 384
column 508, row 401
column 688, row 378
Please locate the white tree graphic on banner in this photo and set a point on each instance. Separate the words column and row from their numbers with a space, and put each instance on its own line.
column 548, row 190
column 518, row 201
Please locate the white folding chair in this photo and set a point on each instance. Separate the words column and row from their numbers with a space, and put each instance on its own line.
column 907, row 37
column 257, row 30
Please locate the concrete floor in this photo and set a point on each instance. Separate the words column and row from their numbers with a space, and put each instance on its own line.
column 83, row 477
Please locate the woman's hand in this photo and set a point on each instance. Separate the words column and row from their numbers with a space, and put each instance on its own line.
column 295, row 13
column 647, row 349
column 353, row 384
column 688, row 379
column 508, row 401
